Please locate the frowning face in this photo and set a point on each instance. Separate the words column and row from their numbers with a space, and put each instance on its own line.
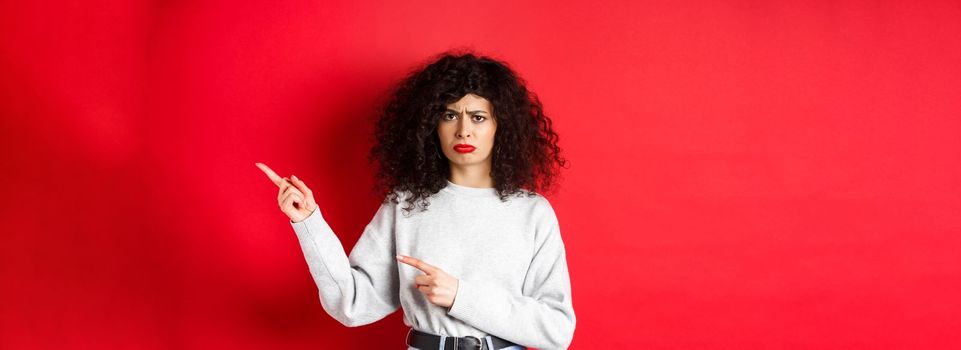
column 466, row 130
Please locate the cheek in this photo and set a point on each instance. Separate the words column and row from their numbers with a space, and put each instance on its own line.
column 442, row 134
column 489, row 136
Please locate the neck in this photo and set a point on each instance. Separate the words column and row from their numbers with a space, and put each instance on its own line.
column 475, row 175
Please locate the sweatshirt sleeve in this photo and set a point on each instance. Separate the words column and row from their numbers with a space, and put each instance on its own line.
column 543, row 317
column 359, row 289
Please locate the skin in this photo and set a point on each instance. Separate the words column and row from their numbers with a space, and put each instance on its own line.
column 297, row 201
column 469, row 120
column 439, row 287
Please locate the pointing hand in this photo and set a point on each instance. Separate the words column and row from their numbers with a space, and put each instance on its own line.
column 439, row 287
column 295, row 199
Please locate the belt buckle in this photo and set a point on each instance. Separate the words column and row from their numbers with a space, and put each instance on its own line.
column 480, row 345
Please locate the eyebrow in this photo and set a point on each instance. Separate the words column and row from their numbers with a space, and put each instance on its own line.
column 472, row 112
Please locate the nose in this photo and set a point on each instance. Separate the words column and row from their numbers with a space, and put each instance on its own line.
column 463, row 128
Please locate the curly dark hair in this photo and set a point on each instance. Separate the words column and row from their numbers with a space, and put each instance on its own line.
column 406, row 148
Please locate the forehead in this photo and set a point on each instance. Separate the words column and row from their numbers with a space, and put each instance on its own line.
column 471, row 101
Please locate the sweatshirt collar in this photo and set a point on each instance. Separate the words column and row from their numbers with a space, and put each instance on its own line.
column 470, row 191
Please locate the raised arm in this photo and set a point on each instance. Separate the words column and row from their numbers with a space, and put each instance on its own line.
column 359, row 289
column 354, row 290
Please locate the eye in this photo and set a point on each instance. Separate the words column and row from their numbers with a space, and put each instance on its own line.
column 481, row 118
column 449, row 116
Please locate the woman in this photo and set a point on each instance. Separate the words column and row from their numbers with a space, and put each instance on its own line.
column 483, row 267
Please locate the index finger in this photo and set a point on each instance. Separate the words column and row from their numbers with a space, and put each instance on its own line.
column 276, row 179
column 420, row 265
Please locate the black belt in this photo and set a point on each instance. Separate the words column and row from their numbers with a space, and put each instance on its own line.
column 427, row 341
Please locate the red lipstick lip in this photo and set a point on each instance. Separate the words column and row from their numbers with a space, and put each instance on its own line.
column 463, row 148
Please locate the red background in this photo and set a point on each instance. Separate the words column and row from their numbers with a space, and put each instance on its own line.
column 744, row 174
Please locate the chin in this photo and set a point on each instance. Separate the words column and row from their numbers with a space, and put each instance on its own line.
column 462, row 161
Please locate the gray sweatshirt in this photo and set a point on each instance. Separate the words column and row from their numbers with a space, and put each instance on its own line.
column 508, row 257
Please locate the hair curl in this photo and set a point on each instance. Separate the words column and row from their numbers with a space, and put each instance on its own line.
column 406, row 147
